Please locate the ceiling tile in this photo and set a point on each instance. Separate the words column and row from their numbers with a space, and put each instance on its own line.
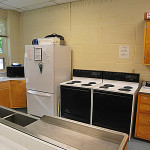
column 23, row 3
column 38, row 6
column 6, row 7
column 63, row 1
column 2, row 0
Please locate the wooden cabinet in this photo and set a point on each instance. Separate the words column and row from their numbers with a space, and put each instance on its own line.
column 142, row 129
column 18, row 94
column 5, row 94
column 146, row 49
column 13, row 94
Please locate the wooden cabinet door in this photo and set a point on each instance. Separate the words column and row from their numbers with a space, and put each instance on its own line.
column 147, row 42
column 18, row 94
column 5, row 94
column 142, row 128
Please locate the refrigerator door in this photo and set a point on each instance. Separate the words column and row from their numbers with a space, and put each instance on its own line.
column 39, row 67
column 39, row 103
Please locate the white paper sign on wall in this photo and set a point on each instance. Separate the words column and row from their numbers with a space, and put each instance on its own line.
column 124, row 52
column 148, row 15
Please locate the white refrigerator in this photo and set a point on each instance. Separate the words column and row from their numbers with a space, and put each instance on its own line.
column 46, row 66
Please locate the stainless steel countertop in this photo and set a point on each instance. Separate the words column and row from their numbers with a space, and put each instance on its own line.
column 71, row 135
column 73, row 138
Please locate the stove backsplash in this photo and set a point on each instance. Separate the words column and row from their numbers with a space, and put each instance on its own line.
column 118, row 76
column 121, row 76
column 87, row 73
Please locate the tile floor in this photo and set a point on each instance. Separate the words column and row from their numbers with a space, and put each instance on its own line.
column 24, row 110
column 137, row 144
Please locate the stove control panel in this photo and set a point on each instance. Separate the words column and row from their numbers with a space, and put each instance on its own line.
column 121, row 76
column 87, row 73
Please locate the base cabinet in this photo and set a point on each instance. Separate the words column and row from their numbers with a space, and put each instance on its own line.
column 142, row 129
column 5, row 94
column 18, row 94
column 13, row 94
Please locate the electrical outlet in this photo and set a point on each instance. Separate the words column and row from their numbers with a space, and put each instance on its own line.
column 133, row 70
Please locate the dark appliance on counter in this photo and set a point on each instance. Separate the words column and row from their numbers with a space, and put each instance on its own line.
column 146, row 84
column 15, row 71
column 76, row 95
column 114, row 101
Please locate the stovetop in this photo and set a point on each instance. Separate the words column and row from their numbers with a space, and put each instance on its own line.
column 117, row 86
column 104, row 80
column 83, row 82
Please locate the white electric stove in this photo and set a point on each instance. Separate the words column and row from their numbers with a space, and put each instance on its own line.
column 101, row 98
column 118, row 86
column 77, row 95
column 114, row 101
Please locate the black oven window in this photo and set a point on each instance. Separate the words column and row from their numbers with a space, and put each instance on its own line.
column 112, row 111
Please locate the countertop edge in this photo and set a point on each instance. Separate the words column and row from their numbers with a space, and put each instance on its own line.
column 3, row 79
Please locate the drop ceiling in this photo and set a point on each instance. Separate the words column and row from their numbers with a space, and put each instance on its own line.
column 26, row 5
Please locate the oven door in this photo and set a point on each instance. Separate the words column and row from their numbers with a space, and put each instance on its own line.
column 76, row 103
column 112, row 110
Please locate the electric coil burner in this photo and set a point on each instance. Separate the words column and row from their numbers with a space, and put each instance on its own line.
column 105, row 87
column 70, row 83
column 76, row 81
column 92, row 83
column 124, row 89
column 128, row 87
column 109, row 85
column 86, row 85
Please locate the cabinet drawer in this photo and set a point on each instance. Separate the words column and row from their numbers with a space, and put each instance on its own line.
column 144, row 119
column 144, row 108
column 145, row 99
column 143, row 131
column 4, row 85
column 15, row 82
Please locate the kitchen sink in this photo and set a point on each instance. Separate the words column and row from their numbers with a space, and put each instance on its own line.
column 21, row 120
column 5, row 112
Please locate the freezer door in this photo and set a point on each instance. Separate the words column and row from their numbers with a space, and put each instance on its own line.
column 39, row 103
column 36, row 57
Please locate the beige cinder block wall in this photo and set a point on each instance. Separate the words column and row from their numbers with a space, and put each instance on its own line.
column 13, row 27
column 94, row 29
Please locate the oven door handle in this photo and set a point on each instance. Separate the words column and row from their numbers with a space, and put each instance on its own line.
column 75, row 89
column 112, row 94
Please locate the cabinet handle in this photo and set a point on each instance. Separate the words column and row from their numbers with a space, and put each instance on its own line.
column 19, row 81
column 145, row 97
column 148, row 133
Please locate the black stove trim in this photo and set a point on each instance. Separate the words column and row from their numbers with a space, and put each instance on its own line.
column 121, row 76
column 77, row 88
column 87, row 73
column 108, row 75
column 113, row 93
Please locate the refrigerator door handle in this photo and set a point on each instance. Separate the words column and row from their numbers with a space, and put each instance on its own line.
column 39, row 93
column 25, row 63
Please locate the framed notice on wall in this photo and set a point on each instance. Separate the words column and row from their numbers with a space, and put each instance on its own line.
column 124, row 52
column 38, row 54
